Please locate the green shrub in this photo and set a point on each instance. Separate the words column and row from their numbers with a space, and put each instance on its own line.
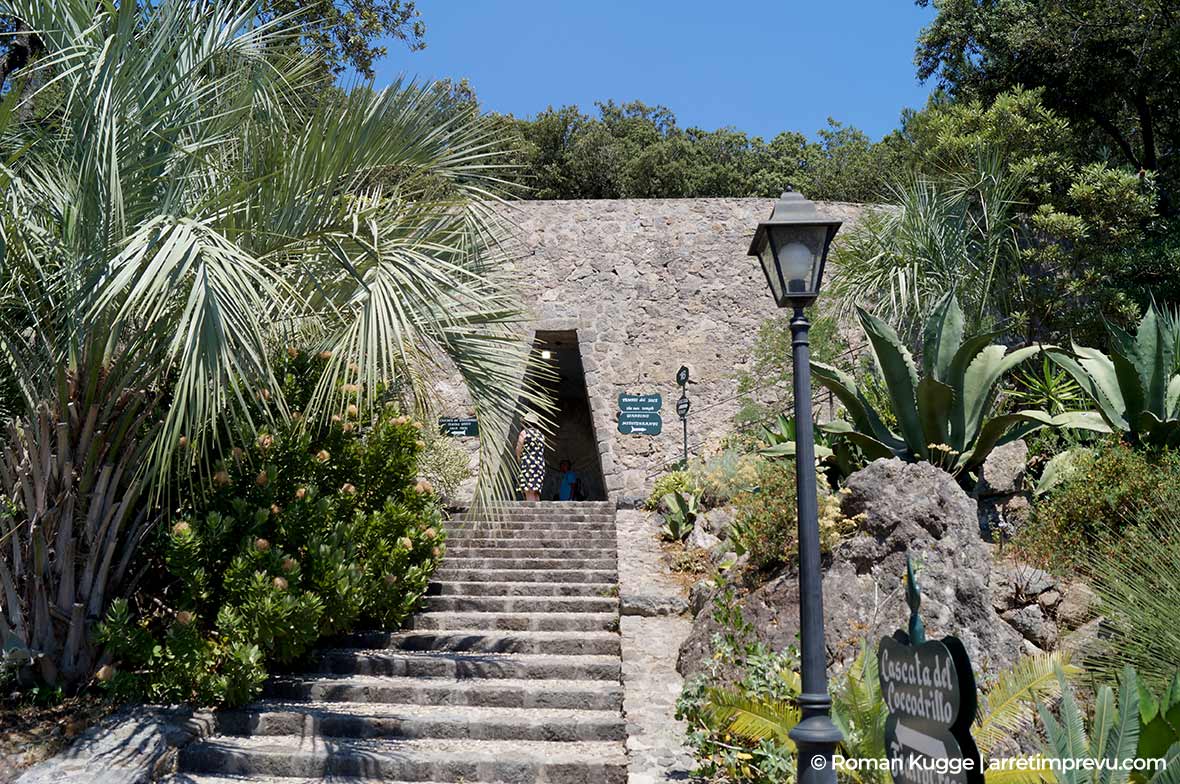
column 400, row 546
column 306, row 531
column 722, row 477
column 1109, row 489
column 671, row 482
column 443, row 463
column 1138, row 586
column 765, row 524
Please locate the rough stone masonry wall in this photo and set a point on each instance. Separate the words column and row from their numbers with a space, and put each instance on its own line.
column 649, row 285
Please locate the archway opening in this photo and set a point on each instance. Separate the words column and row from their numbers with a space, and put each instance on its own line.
column 573, row 437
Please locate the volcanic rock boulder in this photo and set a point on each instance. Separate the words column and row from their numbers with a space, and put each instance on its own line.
column 912, row 508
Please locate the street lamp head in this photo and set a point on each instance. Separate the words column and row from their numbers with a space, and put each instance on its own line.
column 792, row 247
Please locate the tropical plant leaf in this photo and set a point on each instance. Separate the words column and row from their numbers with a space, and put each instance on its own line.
column 1008, row 703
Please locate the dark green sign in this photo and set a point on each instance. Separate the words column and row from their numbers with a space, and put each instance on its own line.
column 646, row 404
column 458, row 427
column 640, row 423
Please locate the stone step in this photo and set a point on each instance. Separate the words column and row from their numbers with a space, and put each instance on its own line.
column 522, row 604
column 362, row 720
column 459, row 665
column 546, row 517
column 522, row 588
column 554, row 542
column 499, row 693
column 583, row 643
column 447, row 573
column 540, row 524
column 516, row 621
column 533, row 762
column 573, row 553
column 531, row 564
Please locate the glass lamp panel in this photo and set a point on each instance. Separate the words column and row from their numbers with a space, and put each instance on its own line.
column 799, row 249
column 766, row 258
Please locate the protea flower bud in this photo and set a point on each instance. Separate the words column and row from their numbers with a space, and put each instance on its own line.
column 416, row 425
column 404, row 543
column 237, row 453
column 280, row 583
column 352, row 409
column 390, row 579
column 325, row 355
column 265, row 441
column 436, row 551
column 335, row 418
column 301, row 493
column 292, row 352
column 420, row 444
column 183, row 442
column 289, row 564
column 275, row 509
column 430, row 533
column 181, row 528
column 348, row 488
column 323, row 456
column 264, row 393
column 261, row 545
column 354, row 367
column 347, row 427
column 105, row 673
column 221, row 478
column 184, row 617
column 262, row 479
column 424, row 486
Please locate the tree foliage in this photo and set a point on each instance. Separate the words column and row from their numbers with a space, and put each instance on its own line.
column 1110, row 66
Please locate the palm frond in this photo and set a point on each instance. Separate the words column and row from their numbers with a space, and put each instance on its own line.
column 751, row 718
column 1008, row 704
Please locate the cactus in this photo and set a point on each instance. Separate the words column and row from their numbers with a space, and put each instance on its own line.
column 942, row 418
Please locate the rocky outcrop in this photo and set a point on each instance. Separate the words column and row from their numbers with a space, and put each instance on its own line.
column 905, row 508
column 1004, row 500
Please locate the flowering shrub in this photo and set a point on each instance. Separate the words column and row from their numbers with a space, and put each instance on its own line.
column 671, row 482
column 306, row 532
column 765, row 523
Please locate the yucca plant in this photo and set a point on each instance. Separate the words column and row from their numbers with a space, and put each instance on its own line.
column 945, row 417
column 1135, row 387
column 73, row 517
column 1007, row 709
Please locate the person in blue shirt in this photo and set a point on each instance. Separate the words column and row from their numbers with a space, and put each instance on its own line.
column 568, row 489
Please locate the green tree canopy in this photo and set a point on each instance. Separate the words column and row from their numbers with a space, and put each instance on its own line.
column 1111, row 66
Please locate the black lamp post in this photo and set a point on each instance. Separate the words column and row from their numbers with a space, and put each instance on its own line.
column 792, row 247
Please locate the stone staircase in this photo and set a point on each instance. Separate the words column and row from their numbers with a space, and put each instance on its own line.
column 511, row 675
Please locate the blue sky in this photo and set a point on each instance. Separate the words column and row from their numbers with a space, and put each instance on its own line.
column 761, row 66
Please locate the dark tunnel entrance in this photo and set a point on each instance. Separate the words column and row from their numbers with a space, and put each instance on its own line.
column 573, row 438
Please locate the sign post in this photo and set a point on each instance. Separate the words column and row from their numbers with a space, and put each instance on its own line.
column 682, row 406
column 929, row 689
column 639, row 415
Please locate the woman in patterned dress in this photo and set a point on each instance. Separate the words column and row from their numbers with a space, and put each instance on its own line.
column 530, row 454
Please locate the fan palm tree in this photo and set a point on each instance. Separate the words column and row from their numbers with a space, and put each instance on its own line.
column 194, row 192
column 186, row 196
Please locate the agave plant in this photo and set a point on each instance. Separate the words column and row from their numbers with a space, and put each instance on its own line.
column 1135, row 388
column 683, row 509
column 1007, row 710
column 942, row 418
column 839, row 458
column 71, row 524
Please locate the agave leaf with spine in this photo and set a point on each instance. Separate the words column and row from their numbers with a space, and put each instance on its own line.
column 1134, row 387
column 943, row 416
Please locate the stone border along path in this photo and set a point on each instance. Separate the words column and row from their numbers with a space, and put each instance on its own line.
column 512, row 674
